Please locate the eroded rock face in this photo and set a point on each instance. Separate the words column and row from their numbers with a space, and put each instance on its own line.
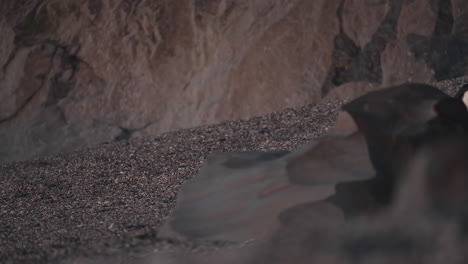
column 78, row 73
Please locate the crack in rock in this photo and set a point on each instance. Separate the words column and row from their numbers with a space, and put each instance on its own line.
column 126, row 133
column 63, row 81
column 446, row 51
column 351, row 63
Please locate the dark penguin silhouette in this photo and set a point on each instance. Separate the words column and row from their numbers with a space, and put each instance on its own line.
column 462, row 94
column 397, row 122
column 436, row 182
column 355, row 168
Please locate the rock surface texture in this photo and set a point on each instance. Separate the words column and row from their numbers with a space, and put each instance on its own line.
column 78, row 73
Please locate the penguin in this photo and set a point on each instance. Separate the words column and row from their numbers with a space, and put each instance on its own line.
column 435, row 183
column 462, row 94
column 355, row 168
column 397, row 122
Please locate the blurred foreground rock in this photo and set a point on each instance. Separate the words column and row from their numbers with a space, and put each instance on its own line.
column 387, row 184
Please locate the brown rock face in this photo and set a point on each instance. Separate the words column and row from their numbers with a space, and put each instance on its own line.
column 78, row 73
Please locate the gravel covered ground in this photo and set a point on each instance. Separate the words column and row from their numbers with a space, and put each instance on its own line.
column 111, row 199
column 116, row 195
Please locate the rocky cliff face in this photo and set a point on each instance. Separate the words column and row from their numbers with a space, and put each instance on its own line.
column 80, row 72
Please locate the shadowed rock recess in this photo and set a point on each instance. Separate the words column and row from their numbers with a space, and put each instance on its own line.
column 78, row 73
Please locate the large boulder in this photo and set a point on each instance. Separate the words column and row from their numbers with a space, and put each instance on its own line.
column 80, row 72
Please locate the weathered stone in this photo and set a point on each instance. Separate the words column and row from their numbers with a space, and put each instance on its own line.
column 274, row 73
column 359, row 23
column 398, row 63
column 355, row 63
column 399, row 66
column 78, row 73
column 446, row 50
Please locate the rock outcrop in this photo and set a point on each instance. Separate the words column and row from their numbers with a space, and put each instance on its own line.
column 78, row 73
